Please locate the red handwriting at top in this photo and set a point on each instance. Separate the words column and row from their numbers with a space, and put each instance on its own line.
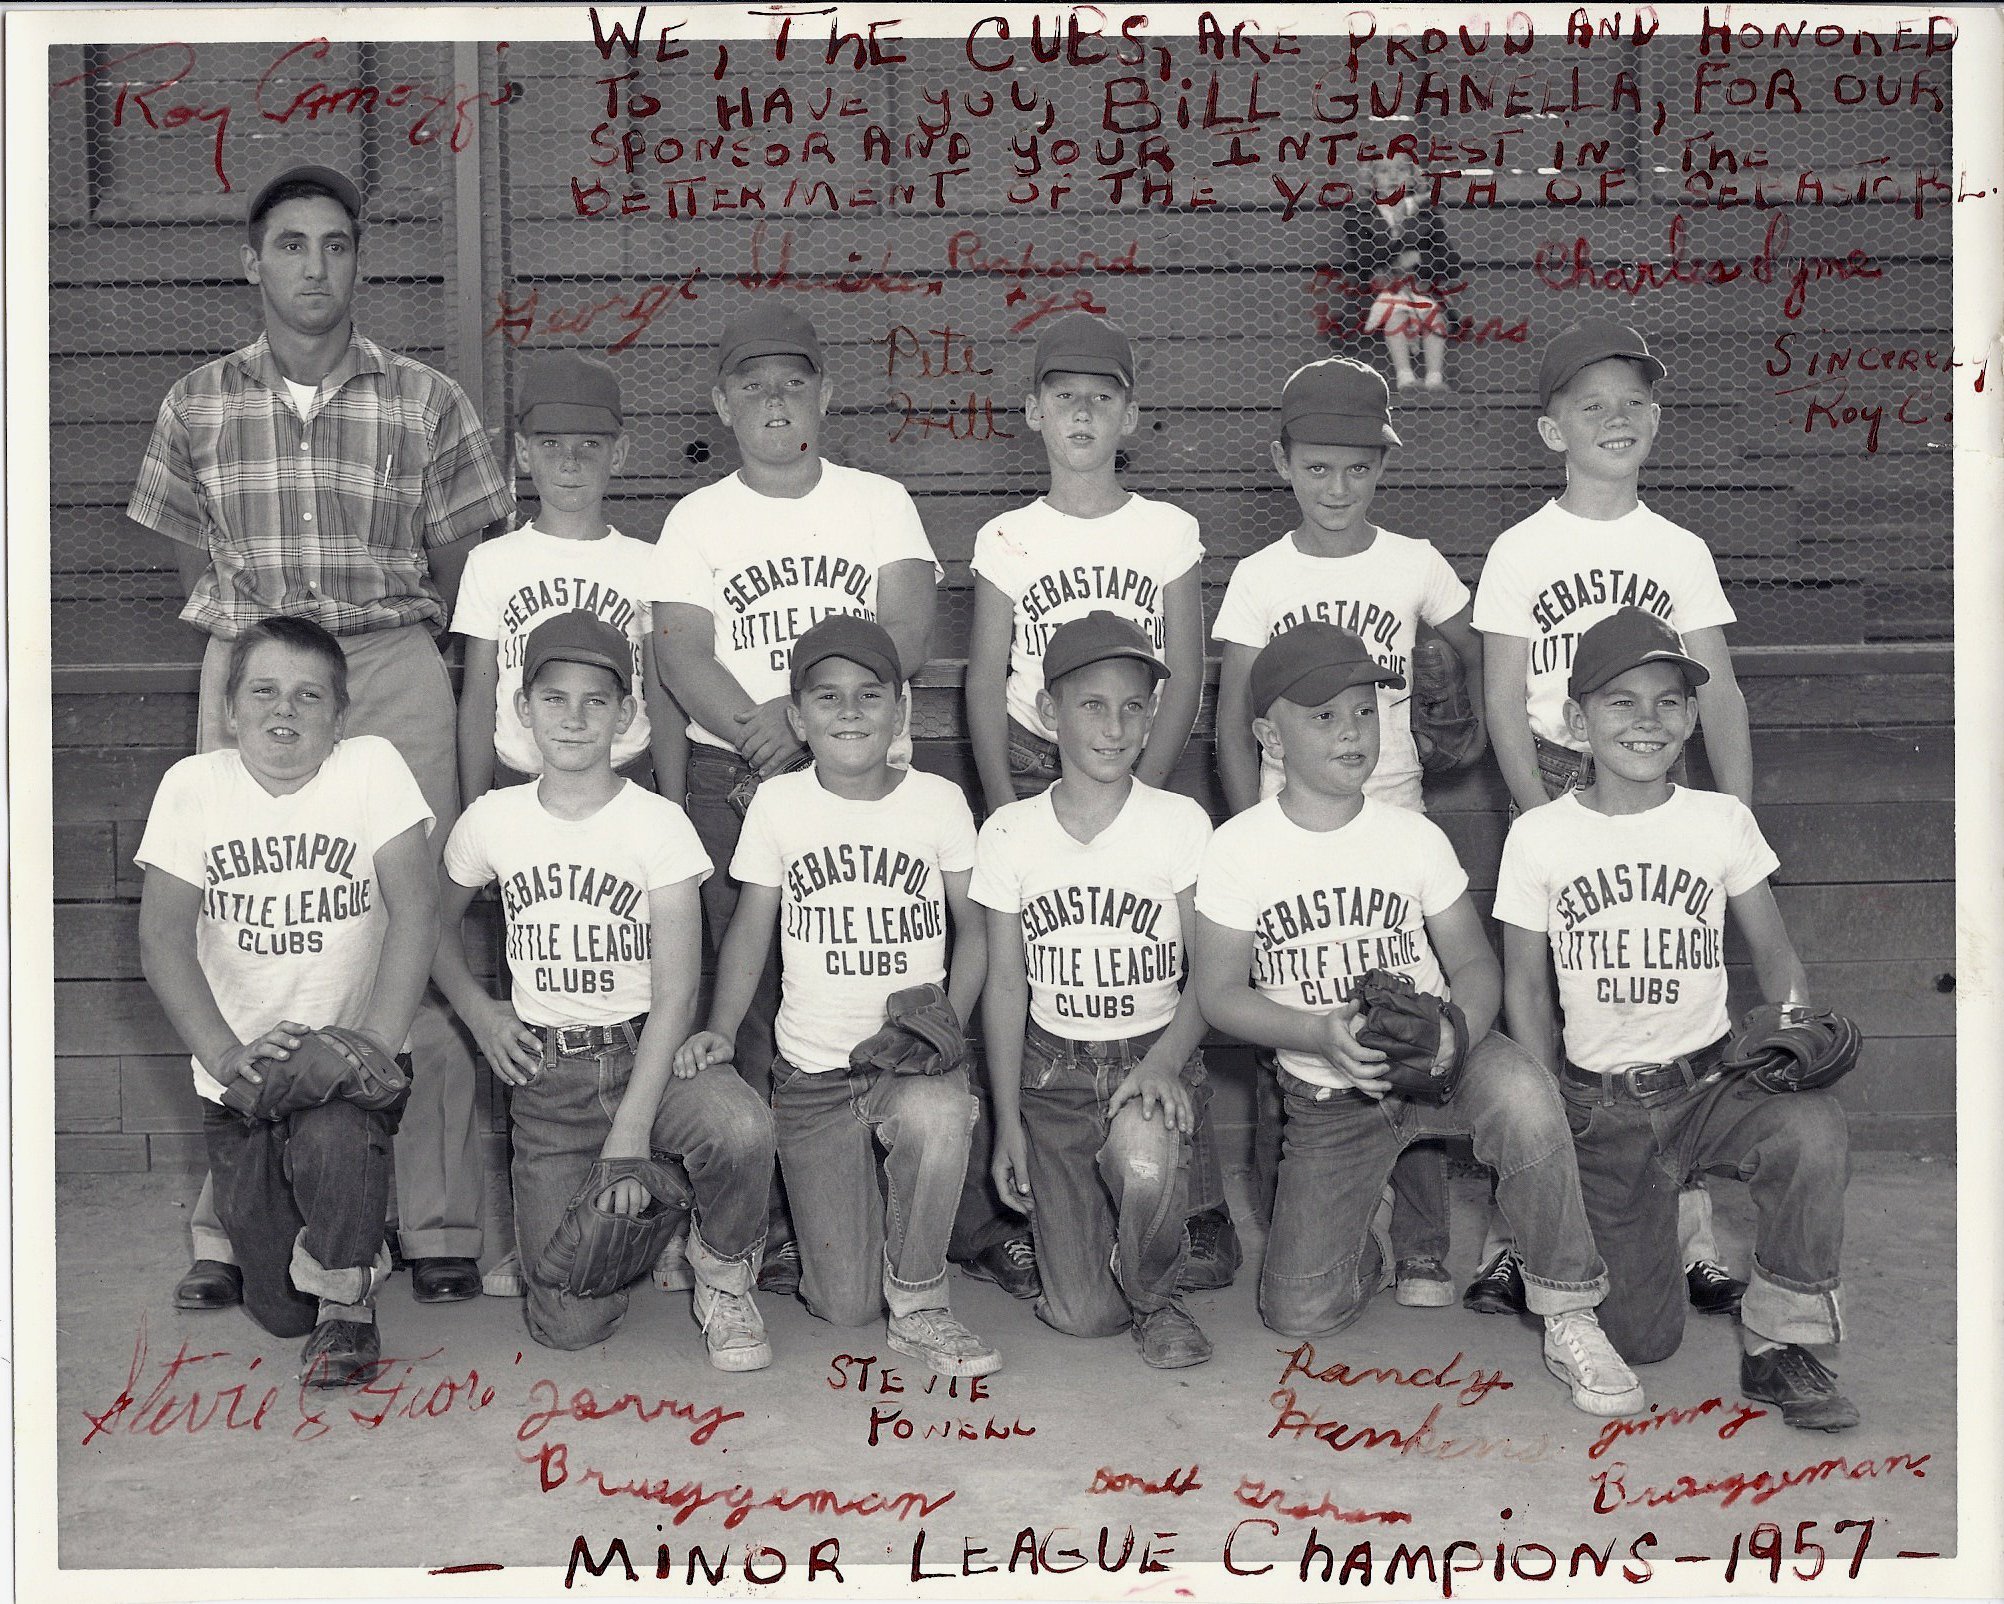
column 1474, row 1387
column 773, row 270
column 518, row 321
column 584, row 1405
column 967, row 252
column 936, row 353
column 1612, row 1492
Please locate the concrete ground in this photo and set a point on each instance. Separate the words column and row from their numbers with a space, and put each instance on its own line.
column 1415, row 1427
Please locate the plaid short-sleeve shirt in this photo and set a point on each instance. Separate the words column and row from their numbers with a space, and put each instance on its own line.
column 327, row 517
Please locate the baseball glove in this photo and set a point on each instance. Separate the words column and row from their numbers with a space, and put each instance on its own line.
column 922, row 1035
column 1408, row 1026
column 1445, row 728
column 1793, row 1050
column 330, row 1063
column 594, row 1252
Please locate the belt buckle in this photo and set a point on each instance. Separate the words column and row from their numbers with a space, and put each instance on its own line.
column 583, row 1043
column 1627, row 1074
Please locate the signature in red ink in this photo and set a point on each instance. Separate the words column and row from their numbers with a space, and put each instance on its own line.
column 1661, row 1419
column 1256, row 1494
column 970, row 418
column 776, row 271
column 1470, row 1388
column 585, row 1405
column 967, row 252
column 1051, row 306
column 520, row 321
column 1612, row 1492
column 1181, row 1480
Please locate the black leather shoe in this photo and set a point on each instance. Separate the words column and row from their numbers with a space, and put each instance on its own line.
column 1499, row 1289
column 1214, row 1255
column 1011, row 1264
column 1801, row 1384
column 338, row 1352
column 1712, row 1290
column 210, row 1284
column 444, row 1280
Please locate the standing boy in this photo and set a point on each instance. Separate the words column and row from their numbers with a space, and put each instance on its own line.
column 1627, row 882
column 1336, row 565
column 598, row 881
column 1086, row 545
column 743, row 568
column 1300, row 897
column 1097, row 1093
column 864, row 865
column 1573, row 562
column 289, row 886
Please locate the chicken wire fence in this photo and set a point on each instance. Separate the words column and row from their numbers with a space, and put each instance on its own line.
column 1774, row 216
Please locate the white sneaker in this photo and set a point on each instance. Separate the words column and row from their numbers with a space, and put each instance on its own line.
column 671, row 1270
column 943, row 1343
column 733, row 1330
column 1578, row 1353
column 504, row 1280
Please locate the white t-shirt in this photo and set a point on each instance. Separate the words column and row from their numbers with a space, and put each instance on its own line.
column 511, row 584
column 301, row 395
column 1635, row 906
column 862, row 905
column 1555, row 575
column 768, row 568
column 1380, row 593
column 292, row 920
column 575, row 895
column 1054, row 568
column 1324, row 906
column 1103, row 934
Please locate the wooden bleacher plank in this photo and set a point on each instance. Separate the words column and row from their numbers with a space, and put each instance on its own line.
column 86, row 1096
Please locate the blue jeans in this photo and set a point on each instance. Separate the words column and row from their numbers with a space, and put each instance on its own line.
column 863, row 1245
column 1322, row 1265
column 1793, row 1151
column 712, row 1125
column 1111, row 1195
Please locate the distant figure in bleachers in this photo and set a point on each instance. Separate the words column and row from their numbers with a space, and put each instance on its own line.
column 1397, row 246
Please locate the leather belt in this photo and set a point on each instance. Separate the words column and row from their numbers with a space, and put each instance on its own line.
column 1642, row 1083
column 568, row 1041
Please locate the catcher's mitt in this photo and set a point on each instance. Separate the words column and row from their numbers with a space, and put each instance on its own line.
column 331, row 1062
column 1793, row 1050
column 1445, row 728
column 595, row 1253
column 921, row 1035
column 1408, row 1026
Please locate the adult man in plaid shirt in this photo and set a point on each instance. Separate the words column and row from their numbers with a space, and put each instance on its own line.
column 315, row 474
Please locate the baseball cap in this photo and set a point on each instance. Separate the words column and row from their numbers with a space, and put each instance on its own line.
column 1095, row 638
column 337, row 184
column 1310, row 663
column 1592, row 339
column 1081, row 343
column 578, row 637
column 1624, row 640
column 1337, row 401
column 768, row 331
column 564, row 393
column 857, row 640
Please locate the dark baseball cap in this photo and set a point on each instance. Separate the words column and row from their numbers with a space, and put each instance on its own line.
column 1593, row 339
column 1081, row 343
column 862, row 641
column 768, row 330
column 578, row 637
column 1312, row 662
column 1624, row 640
column 1337, row 401
column 337, row 184
column 564, row 393
column 1095, row 638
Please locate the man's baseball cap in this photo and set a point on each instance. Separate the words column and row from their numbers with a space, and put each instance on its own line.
column 564, row 393
column 1081, row 343
column 578, row 637
column 1095, row 638
column 862, row 641
column 337, row 184
column 768, row 330
column 1624, row 640
column 1312, row 662
column 1337, row 401
column 1591, row 340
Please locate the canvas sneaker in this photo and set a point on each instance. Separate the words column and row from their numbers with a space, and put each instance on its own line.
column 733, row 1329
column 943, row 1343
column 1578, row 1353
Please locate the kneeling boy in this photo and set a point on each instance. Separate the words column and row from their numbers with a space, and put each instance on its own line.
column 1300, row 895
column 1629, row 881
column 864, row 865
column 598, row 881
column 1089, row 887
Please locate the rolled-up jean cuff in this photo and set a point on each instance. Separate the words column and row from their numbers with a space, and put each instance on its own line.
column 1562, row 1297
column 1784, row 1313
column 732, row 1273
column 905, row 1297
column 355, row 1285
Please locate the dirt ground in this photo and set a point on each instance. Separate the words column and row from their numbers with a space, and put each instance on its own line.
column 1422, row 1428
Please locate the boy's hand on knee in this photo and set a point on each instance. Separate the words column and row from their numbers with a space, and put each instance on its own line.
column 765, row 739
column 512, row 1050
column 1157, row 1087
column 240, row 1062
column 1361, row 1066
column 1010, row 1167
column 702, row 1050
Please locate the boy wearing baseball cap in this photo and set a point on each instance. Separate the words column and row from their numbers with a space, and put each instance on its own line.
column 1595, row 548
column 1095, row 1071
column 746, row 565
column 1298, row 898
column 570, row 435
column 864, row 867
column 1624, row 886
column 1336, row 565
column 598, row 880
column 1087, row 544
